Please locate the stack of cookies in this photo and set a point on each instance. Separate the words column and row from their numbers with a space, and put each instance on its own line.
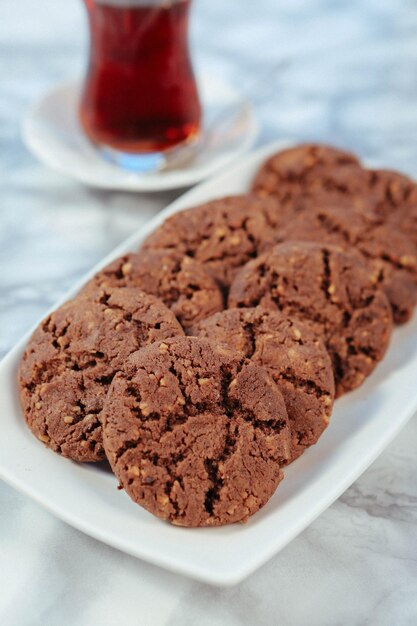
column 204, row 363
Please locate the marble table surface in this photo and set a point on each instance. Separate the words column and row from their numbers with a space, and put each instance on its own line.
column 350, row 78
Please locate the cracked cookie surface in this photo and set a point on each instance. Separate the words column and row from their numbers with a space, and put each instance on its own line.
column 196, row 433
column 395, row 200
column 390, row 191
column 72, row 357
column 405, row 221
column 390, row 254
column 222, row 234
column 332, row 291
column 182, row 283
column 309, row 172
column 293, row 355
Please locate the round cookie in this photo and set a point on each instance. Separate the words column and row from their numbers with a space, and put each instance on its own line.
column 196, row 433
column 179, row 281
column 332, row 291
column 309, row 172
column 222, row 234
column 72, row 357
column 390, row 254
column 294, row 357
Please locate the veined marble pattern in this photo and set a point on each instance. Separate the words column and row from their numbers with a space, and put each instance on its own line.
column 350, row 78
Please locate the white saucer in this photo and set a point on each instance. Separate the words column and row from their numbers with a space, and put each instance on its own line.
column 52, row 132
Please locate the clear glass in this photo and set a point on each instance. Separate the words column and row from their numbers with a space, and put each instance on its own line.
column 140, row 99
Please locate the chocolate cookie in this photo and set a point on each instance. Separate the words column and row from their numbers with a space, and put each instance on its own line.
column 222, row 234
column 332, row 291
column 195, row 432
column 404, row 220
column 72, row 357
column 294, row 357
column 394, row 198
column 178, row 280
column 391, row 255
column 297, row 176
column 390, row 191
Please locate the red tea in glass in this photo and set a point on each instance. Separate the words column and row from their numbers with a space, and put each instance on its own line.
column 140, row 95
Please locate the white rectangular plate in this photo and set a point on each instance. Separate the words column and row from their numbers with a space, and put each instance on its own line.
column 85, row 496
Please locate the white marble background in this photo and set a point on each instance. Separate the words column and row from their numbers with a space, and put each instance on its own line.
column 351, row 79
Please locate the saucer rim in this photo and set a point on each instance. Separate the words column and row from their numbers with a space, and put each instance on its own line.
column 35, row 142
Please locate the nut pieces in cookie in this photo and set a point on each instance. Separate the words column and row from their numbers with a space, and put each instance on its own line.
column 195, row 432
column 182, row 283
column 72, row 357
column 222, row 234
column 332, row 291
column 293, row 355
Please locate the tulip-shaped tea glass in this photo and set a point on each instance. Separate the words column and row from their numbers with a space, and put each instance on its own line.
column 140, row 100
